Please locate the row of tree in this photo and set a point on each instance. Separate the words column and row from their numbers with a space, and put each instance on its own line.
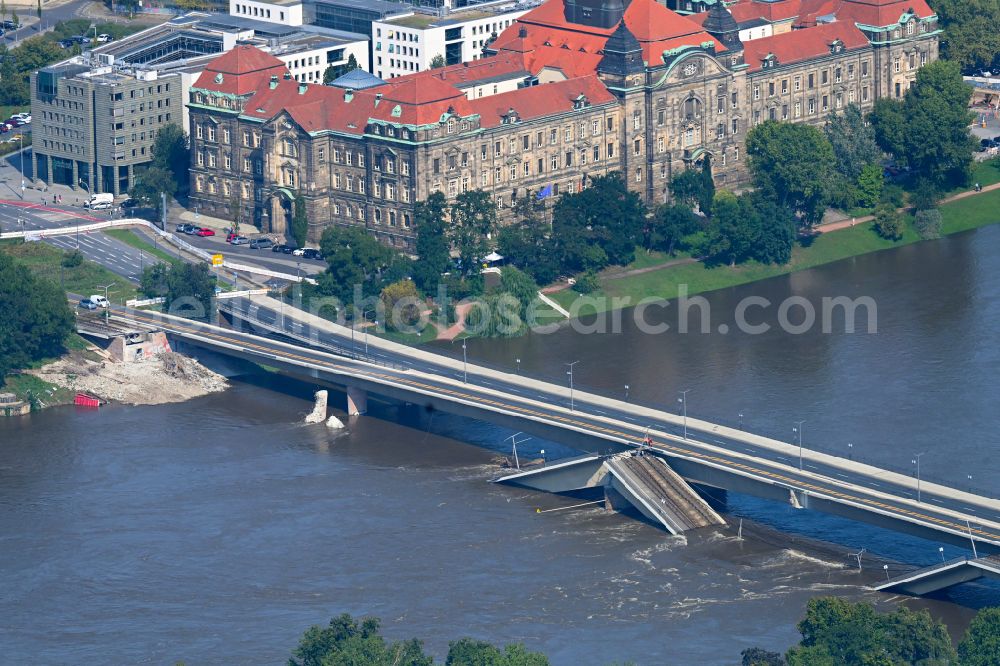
column 349, row 641
column 837, row 632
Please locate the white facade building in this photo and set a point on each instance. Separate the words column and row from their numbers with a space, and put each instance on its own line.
column 307, row 59
column 408, row 44
column 285, row 12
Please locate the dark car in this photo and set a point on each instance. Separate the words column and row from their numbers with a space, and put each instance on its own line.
column 185, row 229
column 261, row 243
column 130, row 203
column 312, row 253
column 281, row 248
column 66, row 43
column 9, row 25
column 191, row 229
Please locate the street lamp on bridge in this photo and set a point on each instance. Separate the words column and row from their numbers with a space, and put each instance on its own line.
column 684, row 401
column 513, row 446
column 107, row 304
column 570, row 373
column 798, row 429
column 916, row 461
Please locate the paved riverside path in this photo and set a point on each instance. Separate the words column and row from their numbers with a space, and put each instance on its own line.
column 851, row 482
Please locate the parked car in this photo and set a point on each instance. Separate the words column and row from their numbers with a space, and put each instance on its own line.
column 129, row 203
column 87, row 304
column 180, row 227
column 104, row 37
column 10, row 25
column 191, row 230
column 99, row 301
column 312, row 253
column 287, row 249
column 299, row 251
column 281, row 248
column 261, row 243
column 204, row 231
column 66, row 43
column 4, row 128
column 101, row 205
column 241, row 240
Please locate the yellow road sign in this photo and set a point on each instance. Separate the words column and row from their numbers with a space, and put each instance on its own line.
column 216, row 259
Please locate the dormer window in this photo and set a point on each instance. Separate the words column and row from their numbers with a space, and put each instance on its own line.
column 511, row 117
column 770, row 60
column 836, row 46
column 581, row 102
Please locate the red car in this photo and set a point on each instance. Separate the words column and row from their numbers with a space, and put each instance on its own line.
column 204, row 232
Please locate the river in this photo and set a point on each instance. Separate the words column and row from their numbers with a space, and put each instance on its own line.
column 216, row 531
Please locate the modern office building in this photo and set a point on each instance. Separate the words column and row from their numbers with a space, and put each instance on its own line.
column 408, row 44
column 95, row 116
column 571, row 90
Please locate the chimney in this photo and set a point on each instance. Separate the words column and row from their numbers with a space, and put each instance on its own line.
column 303, row 87
column 274, row 81
column 378, row 98
column 288, row 76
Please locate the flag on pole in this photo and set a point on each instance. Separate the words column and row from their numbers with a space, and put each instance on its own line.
column 545, row 192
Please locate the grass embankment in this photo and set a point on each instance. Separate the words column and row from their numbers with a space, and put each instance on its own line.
column 133, row 239
column 46, row 261
column 39, row 393
column 961, row 215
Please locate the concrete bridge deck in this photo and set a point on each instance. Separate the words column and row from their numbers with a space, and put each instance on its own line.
column 712, row 455
column 941, row 576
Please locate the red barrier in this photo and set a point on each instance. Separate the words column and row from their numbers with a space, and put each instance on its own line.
column 84, row 400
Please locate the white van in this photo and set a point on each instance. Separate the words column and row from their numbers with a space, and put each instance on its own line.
column 99, row 301
column 104, row 197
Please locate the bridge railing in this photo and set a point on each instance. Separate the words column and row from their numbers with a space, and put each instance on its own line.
column 454, row 353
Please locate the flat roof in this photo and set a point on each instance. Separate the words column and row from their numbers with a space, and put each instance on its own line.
column 380, row 6
column 454, row 18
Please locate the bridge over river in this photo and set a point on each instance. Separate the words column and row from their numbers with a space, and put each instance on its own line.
column 692, row 451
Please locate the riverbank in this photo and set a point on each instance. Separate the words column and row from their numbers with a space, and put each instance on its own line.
column 618, row 291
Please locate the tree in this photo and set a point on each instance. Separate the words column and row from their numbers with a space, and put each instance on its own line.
column 888, row 222
column 473, row 218
column 751, row 226
column 928, row 131
column 668, row 226
column 686, row 187
column 401, row 303
column 852, row 140
column 469, row 652
column 732, row 235
column 598, row 226
column 437, row 61
column 706, row 192
column 431, row 243
column 334, row 72
column 345, row 641
column 170, row 153
column 792, row 164
column 928, row 223
column 300, row 221
column 188, row 289
column 971, row 33
column 150, row 183
column 870, row 183
column 355, row 259
column 981, row 644
column 34, row 317
column 527, row 242
column 756, row 656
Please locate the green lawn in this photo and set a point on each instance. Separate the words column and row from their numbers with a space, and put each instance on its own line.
column 38, row 393
column 969, row 213
column 133, row 239
column 84, row 279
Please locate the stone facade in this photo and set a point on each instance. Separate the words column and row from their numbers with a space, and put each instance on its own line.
column 558, row 102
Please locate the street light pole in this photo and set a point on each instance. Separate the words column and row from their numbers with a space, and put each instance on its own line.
column 518, row 362
column 365, row 316
column 916, row 461
column 465, row 363
column 570, row 373
column 513, row 445
column 684, row 400
column 626, row 393
column 107, row 307
column 20, row 159
column 798, row 429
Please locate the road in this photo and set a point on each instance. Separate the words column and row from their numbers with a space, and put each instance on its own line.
column 845, row 483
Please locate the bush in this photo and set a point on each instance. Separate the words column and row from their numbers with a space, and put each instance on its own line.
column 893, row 195
column 587, row 283
column 928, row 223
column 72, row 259
column 888, row 222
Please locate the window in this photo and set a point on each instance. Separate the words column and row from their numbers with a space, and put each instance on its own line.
column 361, row 159
column 637, row 147
column 734, row 100
column 597, row 153
column 824, row 76
column 660, row 144
column 756, row 92
column 390, row 165
column 200, row 158
column 636, row 120
column 797, row 85
column 909, row 28
column 850, row 72
column 864, row 68
column 225, row 135
column 596, row 128
column 568, row 133
column 554, row 162
column 638, row 174
column 826, row 103
column 864, row 94
column 611, row 150
column 526, row 167
column 525, row 142
column 784, row 112
column 552, row 136
column 198, row 132
column 496, row 149
column 569, row 158
column 720, row 130
column 436, row 165
column 798, row 109
column 211, row 133
column 784, row 86
column 610, row 123
column 361, row 190
column 812, row 105
column 228, row 162
column 512, row 146
column 838, row 75
column 336, row 180
column 735, row 125
column 246, row 164
column 246, row 138
column 812, row 81
column 770, row 89
column 484, row 178
column 497, row 175
column 720, row 106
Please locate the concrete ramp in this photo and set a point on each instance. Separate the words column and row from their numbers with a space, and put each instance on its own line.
column 659, row 493
column 940, row 576
column 563, row 476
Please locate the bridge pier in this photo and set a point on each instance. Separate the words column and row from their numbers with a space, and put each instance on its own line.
column 357, row 401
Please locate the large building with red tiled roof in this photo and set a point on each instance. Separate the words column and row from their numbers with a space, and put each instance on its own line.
column 574, row 89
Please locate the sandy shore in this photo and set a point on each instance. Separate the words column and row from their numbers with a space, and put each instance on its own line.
column 166, row 378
